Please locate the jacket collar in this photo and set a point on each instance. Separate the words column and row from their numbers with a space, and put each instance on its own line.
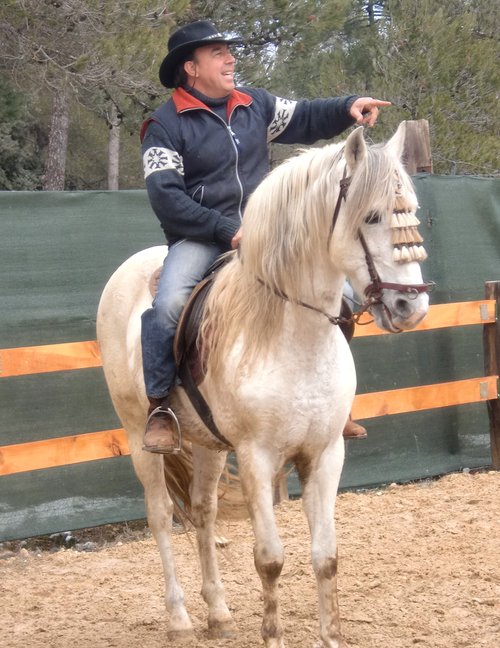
column 184, row 101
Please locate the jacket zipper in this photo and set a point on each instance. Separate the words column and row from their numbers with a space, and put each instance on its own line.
column 234, row 142
column 233, row 139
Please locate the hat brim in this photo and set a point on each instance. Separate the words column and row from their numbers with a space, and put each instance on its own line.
column 180, row 53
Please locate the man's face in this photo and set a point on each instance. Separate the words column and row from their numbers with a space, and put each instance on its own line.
column 212, row 70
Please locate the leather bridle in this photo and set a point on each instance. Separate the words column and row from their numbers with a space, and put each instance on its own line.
column 373, row 292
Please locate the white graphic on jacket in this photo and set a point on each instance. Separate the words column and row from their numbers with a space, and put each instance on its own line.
column 160, row 159
column 282, row 115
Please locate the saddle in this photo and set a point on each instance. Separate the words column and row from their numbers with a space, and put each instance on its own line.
column 188, row 357
column 188, row 326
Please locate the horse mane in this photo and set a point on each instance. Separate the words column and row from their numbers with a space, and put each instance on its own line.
column 286, row 226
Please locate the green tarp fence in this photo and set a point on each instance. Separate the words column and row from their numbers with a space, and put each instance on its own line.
column 59, row 248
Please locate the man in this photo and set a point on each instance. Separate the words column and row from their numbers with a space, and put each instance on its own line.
column 204, row 151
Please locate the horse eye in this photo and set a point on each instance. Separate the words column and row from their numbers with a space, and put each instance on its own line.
column 373, row 218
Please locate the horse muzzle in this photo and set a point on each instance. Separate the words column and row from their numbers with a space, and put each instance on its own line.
column 399, row 311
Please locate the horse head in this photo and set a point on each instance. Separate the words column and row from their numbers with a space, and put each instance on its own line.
column 378, row 243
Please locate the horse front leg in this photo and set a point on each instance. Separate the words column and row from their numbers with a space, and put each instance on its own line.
column 207, row 468
column 256, row 475
column 159, row 510
column 319, row 495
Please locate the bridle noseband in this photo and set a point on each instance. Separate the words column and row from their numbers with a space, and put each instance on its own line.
column 373, row 291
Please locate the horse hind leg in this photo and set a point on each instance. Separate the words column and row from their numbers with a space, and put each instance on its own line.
column 207, row 469
column 159, row 510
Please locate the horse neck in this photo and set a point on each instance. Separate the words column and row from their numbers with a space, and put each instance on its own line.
column 323, row 292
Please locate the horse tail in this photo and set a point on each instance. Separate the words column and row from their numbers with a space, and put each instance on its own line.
column 178, row 472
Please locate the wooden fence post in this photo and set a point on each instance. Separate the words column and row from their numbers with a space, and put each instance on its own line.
column 491, row 343
column 417, row 157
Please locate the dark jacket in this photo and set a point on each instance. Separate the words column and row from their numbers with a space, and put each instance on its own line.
column 201, row 169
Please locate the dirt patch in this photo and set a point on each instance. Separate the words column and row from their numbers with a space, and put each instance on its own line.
column 419, row 566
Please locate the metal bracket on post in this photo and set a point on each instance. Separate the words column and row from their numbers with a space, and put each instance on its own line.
column 483, row 311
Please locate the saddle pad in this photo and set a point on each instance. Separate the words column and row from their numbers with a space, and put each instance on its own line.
column 190, row 319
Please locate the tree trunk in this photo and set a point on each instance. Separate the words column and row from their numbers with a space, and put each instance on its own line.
column 55, row 165
column 113, row 150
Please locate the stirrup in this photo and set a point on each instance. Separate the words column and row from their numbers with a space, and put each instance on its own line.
column 174, row 449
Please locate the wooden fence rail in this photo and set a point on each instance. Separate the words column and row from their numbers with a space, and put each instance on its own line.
column 66, row 450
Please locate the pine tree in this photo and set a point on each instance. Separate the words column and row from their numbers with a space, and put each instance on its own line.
column 20, row 166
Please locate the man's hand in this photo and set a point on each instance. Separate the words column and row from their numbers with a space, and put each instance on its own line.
column 235, row 241
column 365, row 110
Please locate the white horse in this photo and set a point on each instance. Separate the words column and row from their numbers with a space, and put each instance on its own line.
column 280, row 377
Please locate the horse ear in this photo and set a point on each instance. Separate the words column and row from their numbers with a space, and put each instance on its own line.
column 397, row 142
column 355, row 148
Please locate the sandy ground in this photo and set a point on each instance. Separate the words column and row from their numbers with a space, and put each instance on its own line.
column 419, row 566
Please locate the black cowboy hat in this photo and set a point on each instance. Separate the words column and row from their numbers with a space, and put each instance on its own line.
column 186, row 39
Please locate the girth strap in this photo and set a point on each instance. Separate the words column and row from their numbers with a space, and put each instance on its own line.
column 198, row 402
column 185, row 346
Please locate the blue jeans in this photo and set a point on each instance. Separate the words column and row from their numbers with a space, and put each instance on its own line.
column 185, row 265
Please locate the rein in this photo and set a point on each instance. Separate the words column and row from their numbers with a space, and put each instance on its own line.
column 336, row 320
column 373, row 291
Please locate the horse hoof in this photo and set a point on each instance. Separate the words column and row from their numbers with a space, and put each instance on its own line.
column 222, row 630
column 180, row 636
column 274, row 643
column 340, row 643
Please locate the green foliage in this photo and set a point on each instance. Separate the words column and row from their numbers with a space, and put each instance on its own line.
column 87, row 162
column 433, row 62
column 281, row 38
column 20, row 166
column 103, row 52
column 435, row 59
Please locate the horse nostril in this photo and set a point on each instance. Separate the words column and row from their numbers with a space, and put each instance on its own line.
column 402, row 307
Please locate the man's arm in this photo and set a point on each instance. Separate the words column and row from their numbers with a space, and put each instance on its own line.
column 307, row 121
column 179, row 214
